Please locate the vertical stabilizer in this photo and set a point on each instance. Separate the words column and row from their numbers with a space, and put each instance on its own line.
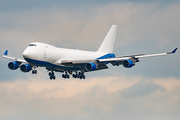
column 108, row 43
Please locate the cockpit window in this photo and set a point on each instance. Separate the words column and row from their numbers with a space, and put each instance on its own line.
column 32, row 44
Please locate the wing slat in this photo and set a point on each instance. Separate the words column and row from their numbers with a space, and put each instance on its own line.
column 116, row 59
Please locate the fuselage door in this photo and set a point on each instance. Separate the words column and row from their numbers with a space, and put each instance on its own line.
column 45, row 53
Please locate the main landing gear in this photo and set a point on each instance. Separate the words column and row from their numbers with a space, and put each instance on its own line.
column 67, row 74
column 79, row 75
column 51, row 75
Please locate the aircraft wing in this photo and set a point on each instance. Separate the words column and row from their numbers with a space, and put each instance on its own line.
column 111, row 60
column 5, row 55
column 68, row 62
column 81, row 64
column 101, row 63
column 119, row 60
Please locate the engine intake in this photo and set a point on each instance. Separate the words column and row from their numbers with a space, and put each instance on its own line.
column 25, row 68
column 128, row 63
column 13, row 65
column 90, row 66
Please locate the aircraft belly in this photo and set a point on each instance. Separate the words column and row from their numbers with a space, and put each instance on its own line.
column 50, row 65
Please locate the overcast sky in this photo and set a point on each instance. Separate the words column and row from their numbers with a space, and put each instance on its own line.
column 148, row 91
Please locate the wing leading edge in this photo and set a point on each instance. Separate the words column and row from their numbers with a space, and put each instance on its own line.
column 136, row 57
column 114, row 61
column 5, row 55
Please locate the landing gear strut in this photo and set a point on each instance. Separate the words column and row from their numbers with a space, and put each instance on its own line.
column 34, row 71
column 51, row 75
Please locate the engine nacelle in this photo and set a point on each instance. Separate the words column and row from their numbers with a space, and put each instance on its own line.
column 128, row 63
column 13, row 65
column 25, row 68
column 90, row 66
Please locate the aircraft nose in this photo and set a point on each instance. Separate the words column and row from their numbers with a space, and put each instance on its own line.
column 26, row 54
column 29, row 53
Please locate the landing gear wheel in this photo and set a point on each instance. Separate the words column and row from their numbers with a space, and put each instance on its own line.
column 51, row 74
column 34, row 71
column 52, row 77
column 65, row 75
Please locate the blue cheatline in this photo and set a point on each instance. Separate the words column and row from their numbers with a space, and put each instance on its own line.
column 46, row 64
column 110, row 55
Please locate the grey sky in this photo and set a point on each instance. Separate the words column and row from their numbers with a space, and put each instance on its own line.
column 23, row 5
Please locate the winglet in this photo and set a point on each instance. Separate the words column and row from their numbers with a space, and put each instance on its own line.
column 6, row 52
column 174, row 50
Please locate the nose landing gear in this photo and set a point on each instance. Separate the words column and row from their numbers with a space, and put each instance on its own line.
column 34, row 71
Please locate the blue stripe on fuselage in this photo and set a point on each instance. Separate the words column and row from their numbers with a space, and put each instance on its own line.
column 38, row 62
column 47, row 64
column 110, row 55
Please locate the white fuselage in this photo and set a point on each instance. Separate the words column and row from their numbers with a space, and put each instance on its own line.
column 42, row 52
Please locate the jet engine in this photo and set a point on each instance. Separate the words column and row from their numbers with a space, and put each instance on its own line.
column 13, row 65
column 128, row 63
column 90, row 66
column 25, row 68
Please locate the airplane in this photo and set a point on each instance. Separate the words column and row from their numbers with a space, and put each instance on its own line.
column 72, row 61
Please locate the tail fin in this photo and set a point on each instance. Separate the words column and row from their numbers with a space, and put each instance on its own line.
column 108, row 43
